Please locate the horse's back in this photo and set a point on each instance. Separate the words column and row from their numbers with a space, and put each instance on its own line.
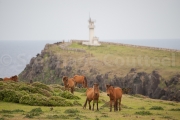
column 71, row 82
column 118, row 92
column 6, row 79
column 78, row 78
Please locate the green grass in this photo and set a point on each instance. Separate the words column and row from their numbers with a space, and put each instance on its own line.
column 122, row 58
column 140, row 110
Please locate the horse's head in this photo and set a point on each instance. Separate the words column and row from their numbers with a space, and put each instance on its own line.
column 109, row 90
column 96, row 89
column 15, row 78
column 65, row 80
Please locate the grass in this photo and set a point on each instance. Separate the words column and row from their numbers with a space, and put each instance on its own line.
column 140, row 110
column 122, row 58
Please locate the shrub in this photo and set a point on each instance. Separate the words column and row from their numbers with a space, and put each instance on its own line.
column 59, row 101
column 156, row 108
column 175, row 109
column 11, row 95
column 11, row 111
column 34, row 89
column 71, row 111
column 77, row 103
column 68, row 95
column 41, row 85
column 34, row 112
column 38, row 99
column 143, row 113
column 34, row 99
column 82, row 90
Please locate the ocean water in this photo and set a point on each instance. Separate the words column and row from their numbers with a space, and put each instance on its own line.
column 15, row 55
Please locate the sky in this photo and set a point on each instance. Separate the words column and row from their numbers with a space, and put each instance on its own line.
column 68, row 19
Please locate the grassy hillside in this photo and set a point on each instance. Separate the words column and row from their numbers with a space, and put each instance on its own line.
column 120, row 59
column 133, row 107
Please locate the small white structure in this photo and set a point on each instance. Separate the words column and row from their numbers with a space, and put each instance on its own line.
column 92, row 39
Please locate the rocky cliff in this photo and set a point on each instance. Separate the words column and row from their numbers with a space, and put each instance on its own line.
column 55, row 61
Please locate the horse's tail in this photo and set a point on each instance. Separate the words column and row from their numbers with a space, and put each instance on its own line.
column 85, row 82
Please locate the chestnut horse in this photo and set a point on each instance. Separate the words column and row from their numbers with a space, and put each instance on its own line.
column 92, row 94
column 80, row 80
column 115, row 95
column 68, row 83
column 13, row 78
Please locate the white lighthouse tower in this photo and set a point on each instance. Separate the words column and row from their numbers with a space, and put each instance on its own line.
column 91, row 30
column 92, row 39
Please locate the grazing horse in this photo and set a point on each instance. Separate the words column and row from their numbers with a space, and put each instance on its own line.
column 115, row 95
column 13, row 78
column 92, row 94
column 80, row 80
column 68, row 83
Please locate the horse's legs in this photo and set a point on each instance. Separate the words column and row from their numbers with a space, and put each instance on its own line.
column 85, row 104
column 119, row 104
column 72, row 90
column 97, row 105
column 114, row 105
column 110, row 105
column 93, row 105
column 89, row 104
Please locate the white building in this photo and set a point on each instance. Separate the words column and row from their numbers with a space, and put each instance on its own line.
column 92, row 39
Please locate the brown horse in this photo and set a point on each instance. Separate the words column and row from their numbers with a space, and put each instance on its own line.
column 13, row 78
column 69, row 83
column 80, row 80
column 92, row 94
column 115, row 95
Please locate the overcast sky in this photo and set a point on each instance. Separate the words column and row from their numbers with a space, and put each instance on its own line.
column 68, row 19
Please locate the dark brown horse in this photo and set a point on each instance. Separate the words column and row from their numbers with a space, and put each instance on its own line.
column 92, row 94
column 68, row 83
column 13, row 78
column 115, row 95
column 80, row 80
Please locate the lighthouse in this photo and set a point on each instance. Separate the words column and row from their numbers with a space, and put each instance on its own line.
column 91, row 30
column 93, row 41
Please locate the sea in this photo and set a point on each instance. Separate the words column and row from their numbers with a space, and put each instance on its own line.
column 16, row 54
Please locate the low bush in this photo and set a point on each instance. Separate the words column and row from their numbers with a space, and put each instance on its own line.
column 34, row 112
column 38, row 99
column 41, row 85
column 143, row 113
column 156, row 108
column 175, row 109
column 34, row 99
column 9, row 95
column 68, row 95
column 11, row 111
column 71, row 111
column 77, row 103
column 82, row 90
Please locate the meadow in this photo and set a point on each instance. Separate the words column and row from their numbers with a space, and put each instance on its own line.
column 133, row 106
column 120, row 59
